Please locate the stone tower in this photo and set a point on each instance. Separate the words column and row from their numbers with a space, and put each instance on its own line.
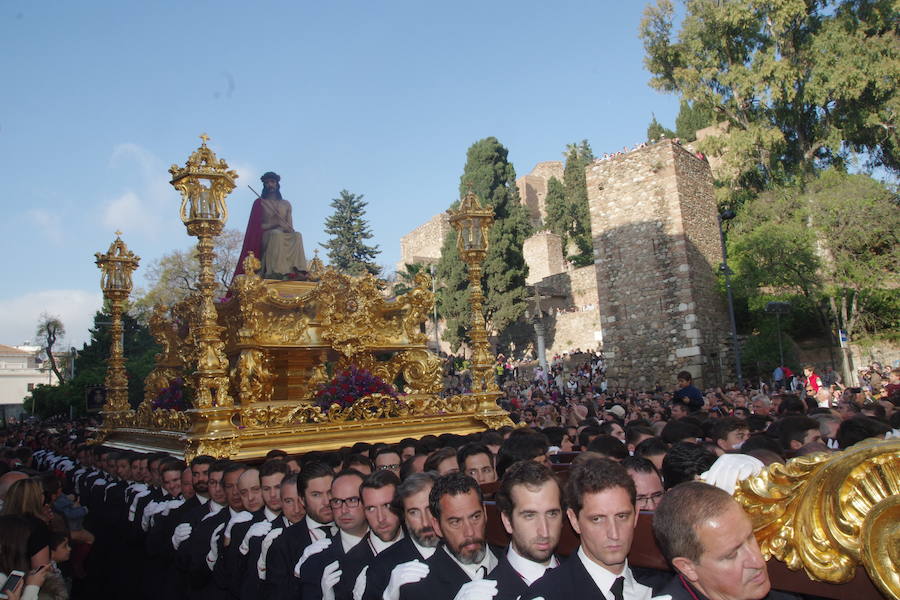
column 656, row 248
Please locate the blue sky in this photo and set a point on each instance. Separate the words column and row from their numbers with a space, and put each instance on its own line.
column 380, row 98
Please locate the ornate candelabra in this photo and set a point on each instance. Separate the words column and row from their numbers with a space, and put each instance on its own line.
column 472, row 223
column 203, row 182
column 116, row 267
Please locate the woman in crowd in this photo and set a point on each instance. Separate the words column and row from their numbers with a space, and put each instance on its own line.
column 14, row 556
column 25, row 499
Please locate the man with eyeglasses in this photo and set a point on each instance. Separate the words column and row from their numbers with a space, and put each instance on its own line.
column 387, row 458
column 647, row 482
column 477, row 461
column 377, row 493
column 350, row 518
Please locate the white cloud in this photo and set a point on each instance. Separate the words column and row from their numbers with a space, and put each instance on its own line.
column 75, row 308
column 50, row 224
column 130, row 214
column 143, row 208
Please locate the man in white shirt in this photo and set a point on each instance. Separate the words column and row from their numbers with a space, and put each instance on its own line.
column 459, row 518
column 530, row 503
column 601, row 500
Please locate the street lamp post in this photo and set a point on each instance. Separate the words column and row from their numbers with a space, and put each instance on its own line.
column 778, row 309
column 116, row 267
column 537, row 319
column 727, row 215
column 472, row 223
column 203, row 182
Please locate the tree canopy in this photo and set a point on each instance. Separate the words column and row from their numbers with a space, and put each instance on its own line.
column 490, row 175
column 800, row 85
column 348, row 230
column 173, row 276
column 568, row 214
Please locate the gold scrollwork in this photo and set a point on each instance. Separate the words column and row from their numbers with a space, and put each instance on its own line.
column 812, row 512
column 252, row 376
column 224, row 447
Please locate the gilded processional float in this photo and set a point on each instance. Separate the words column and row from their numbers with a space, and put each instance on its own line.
column 255, row 360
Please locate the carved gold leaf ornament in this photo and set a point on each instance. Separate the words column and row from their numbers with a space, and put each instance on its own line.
column 813, row 512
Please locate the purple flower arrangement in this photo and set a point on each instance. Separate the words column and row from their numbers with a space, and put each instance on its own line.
column 172, row 397
column 349, row 386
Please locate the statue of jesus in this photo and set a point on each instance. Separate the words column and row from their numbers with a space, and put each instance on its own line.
column 270, row 235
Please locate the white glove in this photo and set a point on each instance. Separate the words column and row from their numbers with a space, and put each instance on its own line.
column 666, row 597
column 241, row 517
column 134, row 503
column 213, row 555
column 264, row 551
column 408, row 572
column 313, row 548
column 149, row 511
column 256, row 530
column 182, row 532
column 359, row 588
column 480, row 589
column 731, row 468
column 330, row 577
column 168, row 506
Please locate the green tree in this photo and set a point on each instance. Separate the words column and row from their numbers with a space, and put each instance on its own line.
column 799, row 84
column 90, row 368
column 50, row 331
column 173, row 276
column 406, row 279
column 349, row 229
column 834, row 242
column 691, row 117
column 656, row 131
column 558, row 216
column 492, row 177
column 568, row 215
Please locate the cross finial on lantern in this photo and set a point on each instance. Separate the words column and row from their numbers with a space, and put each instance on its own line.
column 118, row 233
column 204, row 137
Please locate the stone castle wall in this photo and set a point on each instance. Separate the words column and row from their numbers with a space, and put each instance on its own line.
column 653, row 219
column 533, row 189
column 651, row 297
column 423, row 244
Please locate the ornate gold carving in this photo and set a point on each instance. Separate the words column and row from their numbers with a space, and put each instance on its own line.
column 349, row 310
column 217, row 447
column 813, row 512
column 253, row 377
column 162, row 419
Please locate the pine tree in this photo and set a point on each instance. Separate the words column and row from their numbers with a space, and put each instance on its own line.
column 655, row 131
column 492, row 177
column 348, row 228
column 567, row 205
column 692, row 117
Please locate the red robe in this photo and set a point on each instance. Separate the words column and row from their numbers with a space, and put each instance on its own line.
column 252, row 238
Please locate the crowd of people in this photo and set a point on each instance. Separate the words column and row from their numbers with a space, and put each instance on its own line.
column 410, row 520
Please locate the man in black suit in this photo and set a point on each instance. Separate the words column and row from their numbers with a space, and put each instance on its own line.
column 708, row 539
column 419, row 545
column 463, row 558
column 192, row 552
column 314, row 489
column 530, row 503
column 377, row 492
column 322, row 568
column 601, row 500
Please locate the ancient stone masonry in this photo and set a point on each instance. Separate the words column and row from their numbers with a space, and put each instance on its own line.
column 533, row 189
column 653, row 218
column 423, row 244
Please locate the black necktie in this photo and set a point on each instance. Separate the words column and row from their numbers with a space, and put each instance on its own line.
column 617, row 587
column 326, row 529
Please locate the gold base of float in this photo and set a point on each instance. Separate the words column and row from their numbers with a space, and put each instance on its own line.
column 280, row 339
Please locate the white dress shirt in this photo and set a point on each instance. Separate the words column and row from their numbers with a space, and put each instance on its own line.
column 632, row 590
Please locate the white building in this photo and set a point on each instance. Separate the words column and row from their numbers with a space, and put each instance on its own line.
column 20, row 370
